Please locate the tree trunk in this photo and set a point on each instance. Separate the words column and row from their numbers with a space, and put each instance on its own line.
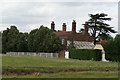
column 94, row 41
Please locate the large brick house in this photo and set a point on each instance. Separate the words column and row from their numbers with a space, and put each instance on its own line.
column 81, row 40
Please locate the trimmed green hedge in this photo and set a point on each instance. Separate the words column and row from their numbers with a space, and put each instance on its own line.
column 85, row 54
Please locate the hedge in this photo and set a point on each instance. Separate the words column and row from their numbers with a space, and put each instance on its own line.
column 85, row 54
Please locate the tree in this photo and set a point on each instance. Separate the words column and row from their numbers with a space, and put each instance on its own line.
column 105, row 36
column 5, row 40
column 10, row 39
column 31, row 40
column 107, row 46
column 117, row 44
column 14, row 41
column 98, row 27
column 44, row 40
column 115, row 48
column 22, row 44
column 38, row 40
column 112, row 48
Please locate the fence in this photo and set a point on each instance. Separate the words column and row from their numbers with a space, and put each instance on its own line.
column 50, row 55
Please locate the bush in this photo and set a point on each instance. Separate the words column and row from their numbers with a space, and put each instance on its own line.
column 112, row 57
column 86, row 54
column 112, row 49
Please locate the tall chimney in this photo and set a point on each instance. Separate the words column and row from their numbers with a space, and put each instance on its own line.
column 53, row 26
column 86, row 27
column 64, row 27
column 74, row 26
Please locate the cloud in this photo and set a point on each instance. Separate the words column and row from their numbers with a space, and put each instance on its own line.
column 30, row 15
column 60, row 0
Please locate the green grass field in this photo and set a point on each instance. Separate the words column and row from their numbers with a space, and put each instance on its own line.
column 38, row 67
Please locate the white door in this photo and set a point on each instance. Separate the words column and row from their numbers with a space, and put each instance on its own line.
column 66, row 55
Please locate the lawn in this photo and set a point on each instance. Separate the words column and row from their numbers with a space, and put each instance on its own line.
column 68, row 75
column 38, row 67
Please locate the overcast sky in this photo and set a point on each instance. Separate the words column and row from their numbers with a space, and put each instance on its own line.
column 28, row 15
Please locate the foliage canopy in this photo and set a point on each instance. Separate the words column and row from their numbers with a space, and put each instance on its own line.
column 38, row 40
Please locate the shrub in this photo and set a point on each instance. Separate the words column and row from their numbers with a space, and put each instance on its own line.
column 112, row 49
column 112, row 57
column 85, row 54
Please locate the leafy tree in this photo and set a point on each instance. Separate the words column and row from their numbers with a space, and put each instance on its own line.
column 105, row 36
column 107, row 46
column 13, row 40
column 10, row 39
column 22, row 45
column 117, row 44
column 5, row 40
column 44, row 40
column 98, row 27
column 38, row 40
column 112, row 48
column 32, row 40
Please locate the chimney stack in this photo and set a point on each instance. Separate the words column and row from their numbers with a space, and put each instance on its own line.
column 74, row 26
column 86, row 27
column 53, row 26
column 64, row 27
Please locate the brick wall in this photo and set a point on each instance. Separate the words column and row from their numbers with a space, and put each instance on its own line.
column 61, row 54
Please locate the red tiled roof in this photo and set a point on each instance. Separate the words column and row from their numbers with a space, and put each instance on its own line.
column 70, row 35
